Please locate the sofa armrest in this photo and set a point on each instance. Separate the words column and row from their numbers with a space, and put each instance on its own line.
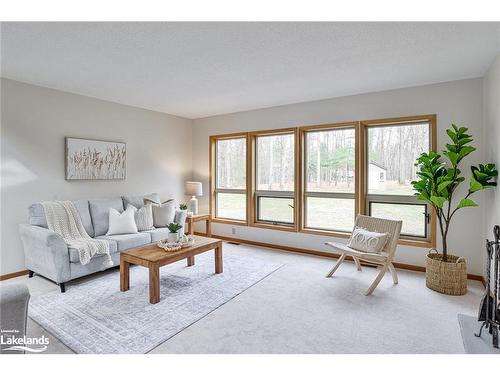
column 45, row 252
column 14, row 312
column 180, row 218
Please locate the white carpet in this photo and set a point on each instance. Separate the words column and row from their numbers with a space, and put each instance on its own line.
column 95, row 317
column 297, row 310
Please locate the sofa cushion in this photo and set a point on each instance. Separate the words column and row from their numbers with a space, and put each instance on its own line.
column 122, row 223
column 99, row 212
column 163, row 214
column 157, row 234
column 138, row 200
column 144, row 217
column 74, row 257
column 127, row 241
column 37, row 215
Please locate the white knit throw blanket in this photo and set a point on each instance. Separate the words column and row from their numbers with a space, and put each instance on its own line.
column 64, row 219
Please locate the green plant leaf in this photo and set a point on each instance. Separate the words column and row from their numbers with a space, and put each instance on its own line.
column 438, row 201
column 420, row 197
column 466, row 202
column 451, row 148
column 452, row 135
column 464, row 141
column 453, row 157
column 475, row 185
column 174, row 227
column 466, row 150
column 443, row 185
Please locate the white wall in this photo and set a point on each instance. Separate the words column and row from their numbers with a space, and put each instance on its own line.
column 458, row 101
column 35, row 121
column 491, row 100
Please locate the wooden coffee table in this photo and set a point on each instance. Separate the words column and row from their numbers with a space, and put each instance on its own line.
column 153, row 257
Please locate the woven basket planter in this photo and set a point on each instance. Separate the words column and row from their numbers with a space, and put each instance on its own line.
column 446, row 277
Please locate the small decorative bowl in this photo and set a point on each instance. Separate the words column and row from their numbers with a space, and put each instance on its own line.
column 169, row 246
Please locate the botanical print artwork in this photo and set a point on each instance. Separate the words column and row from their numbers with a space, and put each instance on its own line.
column 95, row 160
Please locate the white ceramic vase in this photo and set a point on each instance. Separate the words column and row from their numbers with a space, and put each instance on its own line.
column 173, row 237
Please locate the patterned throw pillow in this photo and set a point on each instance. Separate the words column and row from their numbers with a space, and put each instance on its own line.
column 143, row 217
column 366, row 241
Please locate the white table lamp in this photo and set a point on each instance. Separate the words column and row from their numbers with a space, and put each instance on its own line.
column 194, row 189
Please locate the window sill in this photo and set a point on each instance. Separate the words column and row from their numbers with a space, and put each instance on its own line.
column 427, row 244
column 417, row 243
column 324, row 232
column 286, row 228
column 228, row 221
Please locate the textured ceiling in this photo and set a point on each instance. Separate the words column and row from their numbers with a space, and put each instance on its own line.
column 201, row 69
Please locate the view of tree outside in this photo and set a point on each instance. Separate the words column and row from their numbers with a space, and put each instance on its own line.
column 392, row 151
column 275, row 162
column 230, row 174
column 230, row 161
column 329, row 176
column 330, row 169
column 330, row 161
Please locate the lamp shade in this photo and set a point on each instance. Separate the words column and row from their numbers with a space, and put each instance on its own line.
column 194, row 188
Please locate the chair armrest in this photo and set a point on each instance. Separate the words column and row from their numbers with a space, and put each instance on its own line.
column 45, row 252
column 14, row 311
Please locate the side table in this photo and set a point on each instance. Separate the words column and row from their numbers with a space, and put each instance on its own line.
column 193, row 219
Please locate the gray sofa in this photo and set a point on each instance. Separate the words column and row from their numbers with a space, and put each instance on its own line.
column 46, row 252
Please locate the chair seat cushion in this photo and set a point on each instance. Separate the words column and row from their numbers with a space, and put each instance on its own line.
column 340, row 247
column 74, row 257
column 157, row 234
column 127, row 241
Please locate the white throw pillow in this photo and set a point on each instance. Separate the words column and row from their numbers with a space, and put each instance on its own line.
column 122, row 223
column 143, row 217
column 163, row 214
column 366, row 241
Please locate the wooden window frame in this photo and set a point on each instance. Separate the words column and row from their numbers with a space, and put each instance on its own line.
column 254, row 193
column 302, row 172
column 213, row 178
column 299, row 175
column 364, row 206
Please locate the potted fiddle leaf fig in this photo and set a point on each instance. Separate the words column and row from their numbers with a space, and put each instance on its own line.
column 439, row 177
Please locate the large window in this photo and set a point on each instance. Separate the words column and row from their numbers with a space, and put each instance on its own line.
column 391, row 149
column 316, row 179
column 230, row 178
column 275, row 178
column 330, row 178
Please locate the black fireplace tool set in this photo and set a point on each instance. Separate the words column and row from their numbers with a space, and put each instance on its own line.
column 489, row 311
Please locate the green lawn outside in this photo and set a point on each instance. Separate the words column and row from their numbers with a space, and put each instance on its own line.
column 323, row 213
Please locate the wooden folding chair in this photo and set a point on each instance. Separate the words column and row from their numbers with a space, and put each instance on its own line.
column 383, row 259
